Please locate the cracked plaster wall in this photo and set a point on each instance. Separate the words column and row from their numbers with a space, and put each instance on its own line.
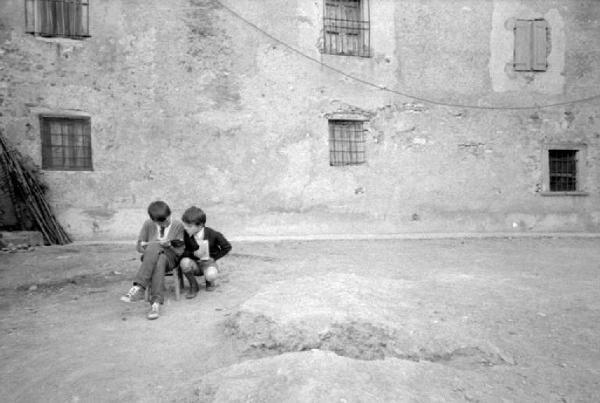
column 191, row 106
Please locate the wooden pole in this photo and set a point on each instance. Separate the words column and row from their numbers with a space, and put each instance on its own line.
column 28, row 188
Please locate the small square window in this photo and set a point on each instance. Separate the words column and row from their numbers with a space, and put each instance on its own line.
column 66, row 143
column 57, row 18
column 562, row 170
column 347, row 28
column 346, row 143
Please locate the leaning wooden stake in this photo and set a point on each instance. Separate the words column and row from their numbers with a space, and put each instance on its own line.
column 28, row 188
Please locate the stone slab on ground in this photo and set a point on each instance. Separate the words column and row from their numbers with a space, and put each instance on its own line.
column 31, row 238
column 322, row 376
column 535, row 298
column 360, row 317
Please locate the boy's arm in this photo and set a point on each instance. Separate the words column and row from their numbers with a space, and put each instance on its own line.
column 187, row 248
column 143, row 237
column 223, row 245
column 178, row 236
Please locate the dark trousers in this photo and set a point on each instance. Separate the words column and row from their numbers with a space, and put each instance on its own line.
column 156, row 261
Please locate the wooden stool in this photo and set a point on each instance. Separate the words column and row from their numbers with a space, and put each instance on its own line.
column 178, row 283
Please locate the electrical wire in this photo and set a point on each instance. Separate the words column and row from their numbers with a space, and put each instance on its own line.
column 384, row 88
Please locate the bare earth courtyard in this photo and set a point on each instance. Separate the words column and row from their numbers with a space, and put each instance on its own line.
column 346, row 321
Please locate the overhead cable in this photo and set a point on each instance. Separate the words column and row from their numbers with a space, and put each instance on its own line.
column 391, row 90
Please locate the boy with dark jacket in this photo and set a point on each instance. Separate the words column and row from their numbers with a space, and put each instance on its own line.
column 203, row 247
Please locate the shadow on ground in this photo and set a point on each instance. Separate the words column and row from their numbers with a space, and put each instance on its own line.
column 477, row 319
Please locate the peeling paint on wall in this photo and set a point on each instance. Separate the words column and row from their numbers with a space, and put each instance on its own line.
column 502, row 43
column 191, row 106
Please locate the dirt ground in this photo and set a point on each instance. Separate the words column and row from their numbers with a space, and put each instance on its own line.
column 66, row 337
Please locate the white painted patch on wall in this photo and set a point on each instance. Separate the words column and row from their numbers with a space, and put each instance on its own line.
column 502, row 39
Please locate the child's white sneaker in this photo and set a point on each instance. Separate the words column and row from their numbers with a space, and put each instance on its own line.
column 154, row 311
column 133, row 294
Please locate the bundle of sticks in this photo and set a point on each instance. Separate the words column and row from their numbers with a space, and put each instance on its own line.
column 26, row 188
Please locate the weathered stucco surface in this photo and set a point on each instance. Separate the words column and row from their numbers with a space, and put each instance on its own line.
column 190, row 105
column 552, row 80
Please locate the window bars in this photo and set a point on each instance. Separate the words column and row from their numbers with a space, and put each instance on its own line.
column 563, row 170
column 62, row 18
column 66, row 143
column 346, row 27
column 346, row 143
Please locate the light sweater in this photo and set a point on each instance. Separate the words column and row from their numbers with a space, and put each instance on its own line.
column 150, row 233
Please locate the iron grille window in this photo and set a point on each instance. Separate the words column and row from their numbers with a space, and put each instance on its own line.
column 346, row 142
column 346, row 27
column 63, row 18
column 66, row 143
column 563, row 170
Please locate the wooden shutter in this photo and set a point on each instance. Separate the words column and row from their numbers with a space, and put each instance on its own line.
column 346, row 143
column 47, row 159
column 351, row 32
column 47, row 16
column 332, row 31
column 68, row 18
column 332, row 11
column 522, row 61
column 351, row 10
column 540, row 45
column 66, row 143
column 30, row 16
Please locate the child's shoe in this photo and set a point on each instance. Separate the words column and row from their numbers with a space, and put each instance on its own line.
column 193, row 291
column 133, row 295
column 210, row 286
column 154, row 311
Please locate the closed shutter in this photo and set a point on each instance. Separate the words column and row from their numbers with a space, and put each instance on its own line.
column 540, row 45
column 351, row 35
column 522, row 61
column 68, row 18
column 332, row 28
column 346, row 143
column 30, row 17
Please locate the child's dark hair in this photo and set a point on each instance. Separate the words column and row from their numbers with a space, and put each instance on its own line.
column 159, row 211
column 194, row 215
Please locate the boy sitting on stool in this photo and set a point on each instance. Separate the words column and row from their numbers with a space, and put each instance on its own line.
column 160, row 243
column 203, row 247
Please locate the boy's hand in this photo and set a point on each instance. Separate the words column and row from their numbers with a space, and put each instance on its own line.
column 165, row 244
column 198, row 253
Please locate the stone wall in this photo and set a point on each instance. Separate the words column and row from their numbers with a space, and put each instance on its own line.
column 190, row 105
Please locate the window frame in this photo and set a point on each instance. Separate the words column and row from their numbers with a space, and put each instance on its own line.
column 343, row 28
column 47, row 144
column 529, row 53
column 34, row 23
column 349, row 156
column 581, row 169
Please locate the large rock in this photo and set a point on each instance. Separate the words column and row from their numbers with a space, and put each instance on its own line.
column 319, row 376
column 361, row 318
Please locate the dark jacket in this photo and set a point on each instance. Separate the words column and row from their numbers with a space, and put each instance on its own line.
column 218, row 246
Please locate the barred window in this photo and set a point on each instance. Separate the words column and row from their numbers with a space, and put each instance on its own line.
column 346, row 27
column 62, row 18
column 346, row 142
column 66, row 143
column 563, row 170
